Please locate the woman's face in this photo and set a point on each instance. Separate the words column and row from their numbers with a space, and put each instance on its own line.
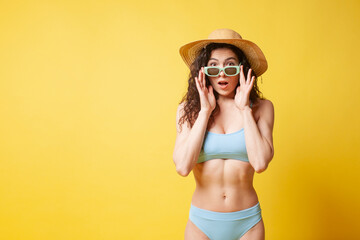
column 222, row 57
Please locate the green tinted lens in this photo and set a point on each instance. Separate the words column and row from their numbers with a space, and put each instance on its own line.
column 231, row 71
column 213, row 71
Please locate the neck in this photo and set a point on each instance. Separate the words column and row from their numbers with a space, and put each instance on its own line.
column 226, row 99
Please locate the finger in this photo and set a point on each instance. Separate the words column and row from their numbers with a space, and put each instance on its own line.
column 242, row 75
column 199, row 79
column 252, row 81
column 197, row 84
column 203, row 77
column 249, row 75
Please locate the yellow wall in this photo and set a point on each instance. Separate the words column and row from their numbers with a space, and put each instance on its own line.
column 88, row 97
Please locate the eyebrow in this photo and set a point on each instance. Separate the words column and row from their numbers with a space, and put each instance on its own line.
column 225, row 59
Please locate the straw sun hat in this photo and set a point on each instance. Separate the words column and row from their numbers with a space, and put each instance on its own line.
column 252, row 52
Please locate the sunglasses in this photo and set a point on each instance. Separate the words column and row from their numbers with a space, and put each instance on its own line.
column 228, row 70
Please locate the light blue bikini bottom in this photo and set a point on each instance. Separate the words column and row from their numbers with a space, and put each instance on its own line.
column 225, row 225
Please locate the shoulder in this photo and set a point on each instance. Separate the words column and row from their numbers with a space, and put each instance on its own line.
column 181, row 105
column 180, row 109
column 266, row 103
column 263, row 107
column 262, row 104
column 179, row 114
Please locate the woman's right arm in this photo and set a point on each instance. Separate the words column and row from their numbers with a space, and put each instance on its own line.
column 189, row 141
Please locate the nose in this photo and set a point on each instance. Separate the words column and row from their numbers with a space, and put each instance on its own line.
column 222, row 74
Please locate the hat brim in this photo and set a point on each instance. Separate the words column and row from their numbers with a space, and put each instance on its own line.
column 252, row 52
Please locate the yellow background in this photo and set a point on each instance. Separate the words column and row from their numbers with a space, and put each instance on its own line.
column 88, row 98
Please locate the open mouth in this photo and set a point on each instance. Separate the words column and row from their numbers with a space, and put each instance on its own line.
column 223, row 83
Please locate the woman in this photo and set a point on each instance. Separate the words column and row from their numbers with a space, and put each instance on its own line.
column 227, row 136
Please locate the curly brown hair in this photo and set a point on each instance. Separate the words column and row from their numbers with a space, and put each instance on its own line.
column 191, row 99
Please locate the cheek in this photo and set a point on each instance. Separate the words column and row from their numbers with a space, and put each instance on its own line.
column 212, row 81
column 235, row 80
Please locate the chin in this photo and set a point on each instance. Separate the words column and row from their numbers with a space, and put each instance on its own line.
column 226, row 93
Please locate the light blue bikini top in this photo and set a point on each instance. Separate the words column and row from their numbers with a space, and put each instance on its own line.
column 223, row 146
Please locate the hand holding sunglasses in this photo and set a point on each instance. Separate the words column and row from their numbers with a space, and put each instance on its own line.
column 207, row 98
column 243, row 91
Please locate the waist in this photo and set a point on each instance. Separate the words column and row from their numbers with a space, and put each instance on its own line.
column 224, row 199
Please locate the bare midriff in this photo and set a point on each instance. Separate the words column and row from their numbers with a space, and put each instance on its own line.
column 224, row 185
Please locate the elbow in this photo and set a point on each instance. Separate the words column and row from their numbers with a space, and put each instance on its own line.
column 260, row 169
column 263, row 165
column 182, row 171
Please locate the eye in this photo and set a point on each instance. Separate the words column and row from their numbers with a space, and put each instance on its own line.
column 231, row 64
column 212, row 64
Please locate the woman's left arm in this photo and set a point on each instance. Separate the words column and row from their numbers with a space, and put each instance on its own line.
column 258, row 136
